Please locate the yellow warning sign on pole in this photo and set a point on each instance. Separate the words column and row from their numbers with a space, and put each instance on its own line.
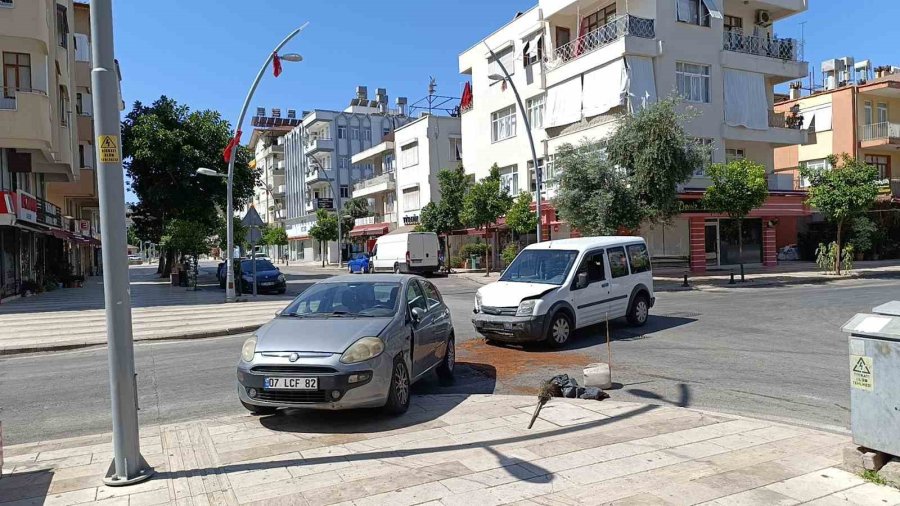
column 862, row 373
column 108, row 147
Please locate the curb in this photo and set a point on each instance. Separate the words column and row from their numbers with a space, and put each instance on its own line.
column 8, row 352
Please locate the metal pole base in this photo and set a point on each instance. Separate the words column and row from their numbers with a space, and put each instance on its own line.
column 111, row 480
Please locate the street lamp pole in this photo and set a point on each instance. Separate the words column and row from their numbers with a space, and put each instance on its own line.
column 229, row 208
column 537, row 169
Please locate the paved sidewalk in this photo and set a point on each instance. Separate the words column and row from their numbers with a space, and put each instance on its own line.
column 457, row 450
column 787, row 273
column 75, row 317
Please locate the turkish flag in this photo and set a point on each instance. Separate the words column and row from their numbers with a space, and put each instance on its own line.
column 276, row 65
column 233, row 143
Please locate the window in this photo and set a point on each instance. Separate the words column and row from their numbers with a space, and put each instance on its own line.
column 694, row 12
column 414, row 297
column 618, row 265
column 62, row 26
column 354, row 133
column 639, row 258
column 503, row 124
column 81, row 155
column 6, row 3
column 882, row 112
column 385, row 132
column 882, row 163
column 820, row 164
column 534, row 107
column 706, row 146
column 532, row 186
column 734, row 24
column 411, row 199
column 63, row 107
column 455, row 149
column 593, row 266
column 409, row 155
column 345, row 191
column 509, row 180
column 82, row 48
column 506, row 58
column 732, row 154
column 343, row 162
column 692, row 81
column 868, row 113
column 545, row 266
column 432, row 294
column 600, row 18
column 79, row 108
column 367, row 134
column 16, row 73
column 342, row 132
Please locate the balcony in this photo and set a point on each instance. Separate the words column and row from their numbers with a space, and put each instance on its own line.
column 272, row 149
column 316, row 176
column 879, row 134
column 617, row 29
column 25, row 119
column 278, row 191
column 764, row 54
column 376, row 219
column 318, row 144
column 785, row 181
column 783, row 131
column 378, row 184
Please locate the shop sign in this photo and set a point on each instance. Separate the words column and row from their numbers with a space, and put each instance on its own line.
column 84, row 227
column 7, row 203
column 27, row 208
column 411, row 220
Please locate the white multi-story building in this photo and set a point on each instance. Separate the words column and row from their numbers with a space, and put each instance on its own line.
column 406, row 167
column 578, row 64
column 319, row 167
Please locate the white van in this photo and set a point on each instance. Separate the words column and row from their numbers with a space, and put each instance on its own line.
column 407, row 252
column 555, row 287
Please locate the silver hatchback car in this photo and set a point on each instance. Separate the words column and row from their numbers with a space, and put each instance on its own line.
column 348, row 342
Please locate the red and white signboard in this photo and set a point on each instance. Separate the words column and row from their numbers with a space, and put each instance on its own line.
column 27, row 208
column 84, row 226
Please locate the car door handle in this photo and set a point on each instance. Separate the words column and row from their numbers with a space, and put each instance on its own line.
column 605, row 285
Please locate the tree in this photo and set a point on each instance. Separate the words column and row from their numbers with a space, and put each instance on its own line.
column 324, row 230
column 163, row 144
column 520, row 218
column 444, row 216
column 240, row 235
column 632, row 176
column 738, row 187
column 275, row 236
column 187, row 237
column 484, row 204
column 132, row 237
column 353, row 209
column 841, row 194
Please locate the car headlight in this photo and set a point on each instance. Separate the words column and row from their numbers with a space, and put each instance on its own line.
column 364, row 349
column 248, row 350
column 477, row 302
column 526, row 307
column 281, row 278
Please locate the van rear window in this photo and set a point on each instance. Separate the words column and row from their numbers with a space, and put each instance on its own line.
column 618, row 266
column 639, row 258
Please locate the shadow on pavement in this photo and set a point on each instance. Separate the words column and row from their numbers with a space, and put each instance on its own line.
column 620, row 330
column 30, row 487
column 684, row 396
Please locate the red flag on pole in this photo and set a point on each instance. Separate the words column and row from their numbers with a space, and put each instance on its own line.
column 233, row 143
column 276, row 65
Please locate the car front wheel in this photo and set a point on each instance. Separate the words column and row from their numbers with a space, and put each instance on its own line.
column 445, row 370
column 398, row 393
column 559, row 331
column 640, row 311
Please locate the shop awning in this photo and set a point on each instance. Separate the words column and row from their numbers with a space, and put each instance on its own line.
column 370, row 229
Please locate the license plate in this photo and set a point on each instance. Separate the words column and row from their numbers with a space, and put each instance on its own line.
column 291, row 384
column 266, row 283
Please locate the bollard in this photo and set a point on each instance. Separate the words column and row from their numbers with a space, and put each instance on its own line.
column 685, row 282
column 742, row 274
column 731, row 282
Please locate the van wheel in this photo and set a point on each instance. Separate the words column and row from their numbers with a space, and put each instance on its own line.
column 559, row 331
column 640, row 310
column 396, row 268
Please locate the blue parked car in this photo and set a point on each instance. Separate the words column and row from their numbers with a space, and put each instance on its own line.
column 360, row 263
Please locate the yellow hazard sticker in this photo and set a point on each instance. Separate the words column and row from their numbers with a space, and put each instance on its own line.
column 108, row 147
column 862, row 373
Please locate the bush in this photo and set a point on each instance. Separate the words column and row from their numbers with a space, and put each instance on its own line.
column 30, row 286
column 864, row 234
column 476, row 248
column 456, row 262
column 825, row 255
column 509, row 253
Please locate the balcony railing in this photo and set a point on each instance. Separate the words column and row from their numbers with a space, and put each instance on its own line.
column 784, row 182
column 783, row 49
column 603, row 36
column 878, row 131
column 8, row 96
column 48, row 213
column 377, row 180
column 784, row 120
column 374, row 219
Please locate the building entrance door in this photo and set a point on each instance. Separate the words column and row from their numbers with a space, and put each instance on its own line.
column 712, row 243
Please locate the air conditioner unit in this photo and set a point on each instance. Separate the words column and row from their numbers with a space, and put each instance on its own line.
column 763, row 17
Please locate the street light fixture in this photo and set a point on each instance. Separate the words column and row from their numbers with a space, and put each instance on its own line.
column 537, row 169
column 203, row 171
column 229, row 208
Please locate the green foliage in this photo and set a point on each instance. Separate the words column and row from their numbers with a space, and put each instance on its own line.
column 240, row 235
column 132, row 237
column 473, row 248
column 186, row 236
column 325, row 228
column 275, row 236
column 445, row 216
column 842, row 193
column 873, row 477
column 509, row 253
column 456, row 262
column 353, row 209
column 826, row 257
column 864, row 233
column 163, row 144
column 520, row 218
column 737, row 188
column 484, row 204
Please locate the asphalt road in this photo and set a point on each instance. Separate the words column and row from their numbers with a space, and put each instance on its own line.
column 768, row 352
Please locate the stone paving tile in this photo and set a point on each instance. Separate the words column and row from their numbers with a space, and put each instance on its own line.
column 816, row 484
column 755, row 497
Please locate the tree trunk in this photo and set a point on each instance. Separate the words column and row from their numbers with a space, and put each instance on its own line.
column 160, row 263
column 323, row 249
column 837, row 256
column 487, row 253
column 741, row 241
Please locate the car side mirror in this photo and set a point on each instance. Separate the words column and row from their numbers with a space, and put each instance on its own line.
column 581, row 280
column 417, row 314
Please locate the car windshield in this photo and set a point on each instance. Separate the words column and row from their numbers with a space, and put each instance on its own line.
column 334, row 299
column 540, row 266
column 261, row 265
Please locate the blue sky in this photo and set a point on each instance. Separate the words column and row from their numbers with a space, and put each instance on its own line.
column 205, row 53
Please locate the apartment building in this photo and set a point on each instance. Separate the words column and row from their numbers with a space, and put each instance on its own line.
column 856, row 111
column 406, row 165
column 319, row 170
column 579, row 64
column 267, row 142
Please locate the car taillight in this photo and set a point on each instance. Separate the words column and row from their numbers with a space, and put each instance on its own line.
column 407, row 258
